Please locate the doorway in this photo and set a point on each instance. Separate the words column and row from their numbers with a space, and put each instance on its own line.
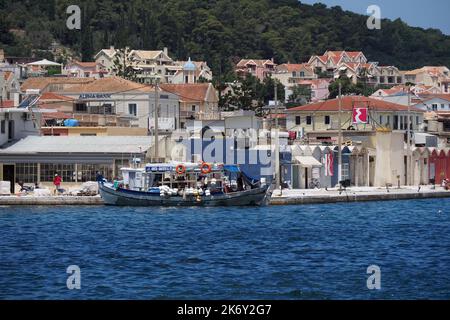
column 306, row 178
column 9, row 175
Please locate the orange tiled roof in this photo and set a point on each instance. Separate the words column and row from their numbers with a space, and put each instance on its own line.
column 349, row 102
column 54, row 96
column 291, row 67
column 41, row 83
column 188, row 92
column 108, row 85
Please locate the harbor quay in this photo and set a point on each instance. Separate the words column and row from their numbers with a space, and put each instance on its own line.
column 286, row 197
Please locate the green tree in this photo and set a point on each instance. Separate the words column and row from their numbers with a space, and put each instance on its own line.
column 301, row 94
column 123, row 65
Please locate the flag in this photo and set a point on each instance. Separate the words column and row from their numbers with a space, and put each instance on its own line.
column 329, row 164
column 360, row 115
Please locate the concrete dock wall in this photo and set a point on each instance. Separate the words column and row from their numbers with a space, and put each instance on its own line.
column 50, row 201
column 357, row 197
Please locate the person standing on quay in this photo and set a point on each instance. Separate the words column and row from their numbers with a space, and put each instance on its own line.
column 57, row 182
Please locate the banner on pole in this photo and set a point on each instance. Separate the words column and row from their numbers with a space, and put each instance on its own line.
column 360, row 115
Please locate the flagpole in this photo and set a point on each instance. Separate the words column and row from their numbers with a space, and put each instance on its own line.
column 340, row 135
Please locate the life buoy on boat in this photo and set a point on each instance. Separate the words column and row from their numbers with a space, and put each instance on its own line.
column 181, row 169
column 206, row 168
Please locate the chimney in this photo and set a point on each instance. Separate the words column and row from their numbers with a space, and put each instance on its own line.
column 166, row 51
column 111, row 48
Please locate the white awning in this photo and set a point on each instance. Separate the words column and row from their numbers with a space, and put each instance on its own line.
column 44, row 63
column 308, row 161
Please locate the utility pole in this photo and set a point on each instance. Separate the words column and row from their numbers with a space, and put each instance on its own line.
column 408, row 142
column 340, row 135
column 156, row 155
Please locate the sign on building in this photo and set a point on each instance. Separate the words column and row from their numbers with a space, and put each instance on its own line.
column 360, row 115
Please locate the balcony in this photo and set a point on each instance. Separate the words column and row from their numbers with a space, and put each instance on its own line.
column 193, row 115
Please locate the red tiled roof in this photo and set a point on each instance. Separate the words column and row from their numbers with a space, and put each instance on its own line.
column 55, row 115
column 428, row 96
column 291, row 67
column 348, row 102
column 188, row 92
column 109, row 85
column 41, row 83
column 54, row 96
column 86, row 64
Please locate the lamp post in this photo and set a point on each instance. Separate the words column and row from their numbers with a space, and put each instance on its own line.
column 155, row 82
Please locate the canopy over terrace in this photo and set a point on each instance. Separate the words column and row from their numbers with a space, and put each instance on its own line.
column 44, row 63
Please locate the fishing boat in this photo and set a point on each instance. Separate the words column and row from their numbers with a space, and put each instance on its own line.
column 185, row 184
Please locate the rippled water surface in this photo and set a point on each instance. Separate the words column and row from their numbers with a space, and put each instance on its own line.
column 292, row 252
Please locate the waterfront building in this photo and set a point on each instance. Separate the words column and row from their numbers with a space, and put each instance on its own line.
column 18, row 123
column 324, row 116
column 197, row 101
column 76, row 159
column 112, row 101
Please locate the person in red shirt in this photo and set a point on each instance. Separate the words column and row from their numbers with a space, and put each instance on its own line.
column 57, row 182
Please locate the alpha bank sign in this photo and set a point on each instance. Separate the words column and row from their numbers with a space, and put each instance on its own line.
column 95, row 96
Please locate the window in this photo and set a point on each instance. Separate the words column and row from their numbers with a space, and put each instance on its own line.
column 80, row 107
column 26, row 172
column 66, row 171
column 434, row 107
column 294, row 74
column 302, row 74
column 308, row 120
column 442, row 106
column 194, row 108
column 327, row 119
column 298, row 120
column 132, row 109
column 3, row 126
column 381, row 120
column 417, row 120
column 395, row 122
column 88, row 172
column 388, row 122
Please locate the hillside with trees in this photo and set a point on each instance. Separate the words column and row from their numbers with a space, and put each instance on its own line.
column 218, row 31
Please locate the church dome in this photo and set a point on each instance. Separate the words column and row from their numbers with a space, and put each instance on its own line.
column 189, row 66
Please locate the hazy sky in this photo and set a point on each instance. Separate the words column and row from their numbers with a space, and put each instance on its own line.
column 417, row 13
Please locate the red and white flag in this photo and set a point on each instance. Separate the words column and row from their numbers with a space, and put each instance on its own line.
column 360, row 115
column 329, row 164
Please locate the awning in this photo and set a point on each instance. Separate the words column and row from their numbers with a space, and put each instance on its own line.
column 308, row 161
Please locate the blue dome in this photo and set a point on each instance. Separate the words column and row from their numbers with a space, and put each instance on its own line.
column 189, row 66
